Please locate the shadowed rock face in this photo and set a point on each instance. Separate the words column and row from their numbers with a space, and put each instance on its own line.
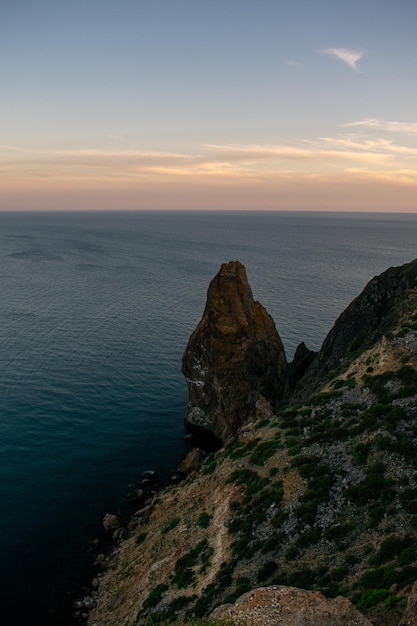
column 373, row 313
column 234, row 355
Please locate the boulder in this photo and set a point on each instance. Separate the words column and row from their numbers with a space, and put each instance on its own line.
column 111, row 522
column 410, row 615
column 192, row 461
column 288, row 606
column 233, row 356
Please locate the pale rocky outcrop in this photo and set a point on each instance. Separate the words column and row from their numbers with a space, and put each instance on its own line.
column 288, row 606
column 234, row 355
column 410, row 615
column 192, row 461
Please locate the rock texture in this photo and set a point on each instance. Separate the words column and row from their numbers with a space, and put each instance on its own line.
column 320, row 496
column 361, row 324
column 288, row 606
column 234, row 355
column 410, row 615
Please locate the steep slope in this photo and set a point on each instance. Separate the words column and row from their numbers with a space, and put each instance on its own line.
column 321, row 495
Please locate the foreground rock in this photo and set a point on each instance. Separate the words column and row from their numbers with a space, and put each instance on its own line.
column 289, row 606
column 234, row 355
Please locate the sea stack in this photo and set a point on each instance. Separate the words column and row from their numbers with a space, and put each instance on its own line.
column 233, row 356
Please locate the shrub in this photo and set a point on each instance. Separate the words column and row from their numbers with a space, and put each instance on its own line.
column 267, row 570
column 374, row 486
column 376, row 515
column 272, row 543
column 317, row 492
column 308, row 538
column 407, row 555
column 184, row 575
column 389, row 548
column 361, row 452
column 173, row 522
column 252, row 482
column 338, row 532
column 306, row 465
column 177, row 605
column 204, row 520
column 261, row 424
column 381, row 578
column 264, row 450
column 370, row 597
column 154, row 596
column 242, row 586
column 140, row 538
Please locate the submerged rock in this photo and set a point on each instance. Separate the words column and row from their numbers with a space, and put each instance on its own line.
column 234, row 355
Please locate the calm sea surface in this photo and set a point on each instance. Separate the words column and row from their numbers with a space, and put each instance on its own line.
column 95, row 313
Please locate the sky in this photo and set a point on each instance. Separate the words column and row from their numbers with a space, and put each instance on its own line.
column 208, row 104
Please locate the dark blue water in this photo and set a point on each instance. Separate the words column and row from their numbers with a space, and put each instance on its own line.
column 95, row 313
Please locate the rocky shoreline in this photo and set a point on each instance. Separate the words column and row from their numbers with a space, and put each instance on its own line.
column 310, row 505
column 118, row 527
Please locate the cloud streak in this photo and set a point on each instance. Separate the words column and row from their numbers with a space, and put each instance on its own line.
column 390, row 126
column 350, row 57
column 325, row 160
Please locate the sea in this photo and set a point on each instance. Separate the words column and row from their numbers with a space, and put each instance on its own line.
column 95, row 312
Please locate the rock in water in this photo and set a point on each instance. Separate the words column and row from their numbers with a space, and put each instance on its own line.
column 234, row 355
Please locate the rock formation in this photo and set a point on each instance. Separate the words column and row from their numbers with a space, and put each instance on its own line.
column 274, row 606
column 320, row 496
column 361, row 324
column 234, row 355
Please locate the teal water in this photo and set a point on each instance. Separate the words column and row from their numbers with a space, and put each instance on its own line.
column 95, row 313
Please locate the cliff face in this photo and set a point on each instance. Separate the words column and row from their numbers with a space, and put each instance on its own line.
column 234, row 355
column 362, row 323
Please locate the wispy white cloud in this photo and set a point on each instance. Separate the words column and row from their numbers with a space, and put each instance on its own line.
column 354, row 153
column 350, row 57
column 390, row 126
column 292, row 63
column 118, row 138
column 317, row 150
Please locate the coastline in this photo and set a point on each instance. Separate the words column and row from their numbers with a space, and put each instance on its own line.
column 117, row 527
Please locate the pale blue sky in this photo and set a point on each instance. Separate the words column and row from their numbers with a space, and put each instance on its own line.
column 152, row 103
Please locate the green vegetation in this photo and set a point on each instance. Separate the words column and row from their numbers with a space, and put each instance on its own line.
column 184, row 572
column 204, row 520
column 375, row 486
column 265, row 450
column 173, row 523
column 320, row 481
column 267, row 571
column 370, row 597
column 140, row 537
column 393, row 547
column 155, row 596
column 210, row 464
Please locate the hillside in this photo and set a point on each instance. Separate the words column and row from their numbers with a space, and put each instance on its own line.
column 317, row 493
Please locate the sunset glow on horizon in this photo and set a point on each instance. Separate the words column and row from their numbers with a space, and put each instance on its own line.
column 235, row 105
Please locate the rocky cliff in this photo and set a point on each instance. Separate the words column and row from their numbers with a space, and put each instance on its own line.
column 374, row 312
column 234, row 355
column 318, row 496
